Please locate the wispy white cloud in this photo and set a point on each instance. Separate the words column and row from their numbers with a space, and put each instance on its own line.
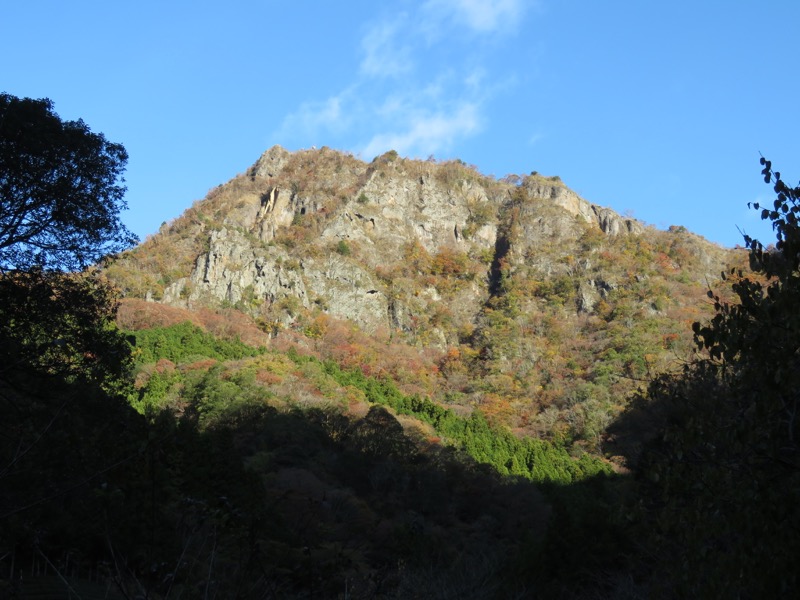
column 384, row 54
column 535, row 138
column 313, row 119
column 474, row 80
column 425, row 134
column 481, row 16
column 416, row 91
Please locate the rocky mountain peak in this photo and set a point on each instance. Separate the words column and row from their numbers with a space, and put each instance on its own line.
column 271, row 162
column 387, row 244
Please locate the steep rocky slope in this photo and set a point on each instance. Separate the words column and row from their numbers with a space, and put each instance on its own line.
column 322, row 227
column 543, row 309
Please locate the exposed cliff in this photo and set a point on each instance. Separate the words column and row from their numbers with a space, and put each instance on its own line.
column 541, row 307
column 321, row 229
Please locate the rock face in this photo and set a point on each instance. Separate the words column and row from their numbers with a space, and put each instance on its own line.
column 559, row 195
column 271, row 163
column 387, row 244
column 235, row 272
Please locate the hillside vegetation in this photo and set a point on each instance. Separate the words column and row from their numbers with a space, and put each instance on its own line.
column 403, row 379
column 512, row 296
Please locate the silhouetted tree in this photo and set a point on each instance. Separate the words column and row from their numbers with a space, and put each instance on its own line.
column 66, row 431
column 61, row 189
column 60, row 325
column 720, row 485
column 60, row 199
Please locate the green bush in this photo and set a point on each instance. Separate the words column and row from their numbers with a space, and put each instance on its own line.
column 184, row 340
column 343, row 248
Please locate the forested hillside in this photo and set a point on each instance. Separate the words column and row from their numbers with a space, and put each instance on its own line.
column 514, row 296
column 402, row 379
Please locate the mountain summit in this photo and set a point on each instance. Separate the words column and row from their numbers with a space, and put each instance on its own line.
column 542, row 301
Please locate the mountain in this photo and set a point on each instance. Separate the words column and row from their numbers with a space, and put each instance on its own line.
column 520, row 297
column 401, row 379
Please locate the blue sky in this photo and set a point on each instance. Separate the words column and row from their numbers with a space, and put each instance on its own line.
column 656, row 109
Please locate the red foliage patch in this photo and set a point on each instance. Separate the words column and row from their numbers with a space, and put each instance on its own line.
column 135, row 314
column 268, row 377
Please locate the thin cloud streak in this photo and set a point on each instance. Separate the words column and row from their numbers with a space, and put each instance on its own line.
column 389, row 107
column 313, row 119
column 480, row 16
column 425, row 135
column 384, row 56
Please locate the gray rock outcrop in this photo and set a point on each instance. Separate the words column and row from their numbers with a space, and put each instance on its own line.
column 289, row 224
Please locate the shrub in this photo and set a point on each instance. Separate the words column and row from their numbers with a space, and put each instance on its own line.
column 343, row 248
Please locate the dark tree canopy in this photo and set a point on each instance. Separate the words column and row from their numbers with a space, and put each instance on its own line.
column 61, row 189
column 60, row 326
column 720, row 484
column 63, row 363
